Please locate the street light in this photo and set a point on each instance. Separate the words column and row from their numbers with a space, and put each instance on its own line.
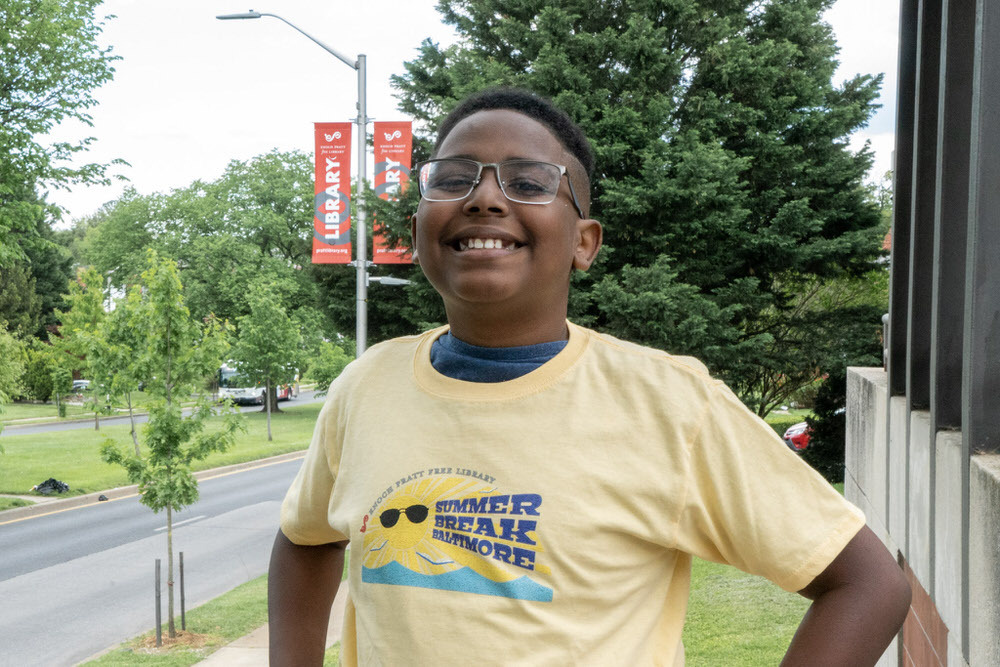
column 389, row 280
column 360, row 263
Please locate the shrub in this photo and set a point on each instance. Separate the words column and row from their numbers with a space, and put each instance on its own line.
column 828, row 422
column 37, row 379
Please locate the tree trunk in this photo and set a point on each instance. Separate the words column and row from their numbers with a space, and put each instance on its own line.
column 272, row 400
column 268, row 402
column 171, row 630
column 131, row 420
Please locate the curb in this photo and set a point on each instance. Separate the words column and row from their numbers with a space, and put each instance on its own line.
column 51, row 506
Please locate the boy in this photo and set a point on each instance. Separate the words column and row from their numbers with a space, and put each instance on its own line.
column 520, row 490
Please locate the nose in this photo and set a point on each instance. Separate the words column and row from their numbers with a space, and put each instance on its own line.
column 487, row 196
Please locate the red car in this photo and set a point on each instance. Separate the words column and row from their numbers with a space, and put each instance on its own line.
column 797, row 436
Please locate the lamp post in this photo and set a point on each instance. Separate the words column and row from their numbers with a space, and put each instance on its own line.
column 360, row 262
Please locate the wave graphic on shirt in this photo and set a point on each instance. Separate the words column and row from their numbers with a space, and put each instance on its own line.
column 464, row 580
column 456, row 533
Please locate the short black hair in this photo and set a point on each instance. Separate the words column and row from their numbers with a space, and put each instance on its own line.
column 530, row 104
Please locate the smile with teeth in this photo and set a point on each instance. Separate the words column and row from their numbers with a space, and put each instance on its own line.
column 488, row 244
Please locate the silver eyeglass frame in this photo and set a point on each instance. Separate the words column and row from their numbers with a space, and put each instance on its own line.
column 496, row 172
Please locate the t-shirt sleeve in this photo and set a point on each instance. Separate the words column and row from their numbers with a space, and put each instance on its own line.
column 305, row 510
column 754, row 504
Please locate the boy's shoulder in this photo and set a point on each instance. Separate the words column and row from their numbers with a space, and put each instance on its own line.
column 394, row 352
column 629, row 352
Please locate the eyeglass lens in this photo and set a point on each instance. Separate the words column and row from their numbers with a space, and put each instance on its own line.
column 415, row 513
column 523, row 181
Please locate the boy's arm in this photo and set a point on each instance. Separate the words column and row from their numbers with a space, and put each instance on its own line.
column 859, row 603
column 302, row 582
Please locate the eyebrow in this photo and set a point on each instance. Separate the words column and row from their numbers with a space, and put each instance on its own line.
column 467, row 156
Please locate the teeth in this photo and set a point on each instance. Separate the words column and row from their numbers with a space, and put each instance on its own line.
column 488, row 244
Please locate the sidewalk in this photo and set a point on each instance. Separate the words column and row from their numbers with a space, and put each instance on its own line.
column 251, row 650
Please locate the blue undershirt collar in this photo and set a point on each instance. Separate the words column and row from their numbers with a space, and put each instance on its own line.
column 471, row 363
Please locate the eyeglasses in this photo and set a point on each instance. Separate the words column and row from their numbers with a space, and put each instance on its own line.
column 521, row 181
column 415, row 513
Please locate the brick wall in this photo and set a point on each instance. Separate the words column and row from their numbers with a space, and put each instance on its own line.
column 925, row 637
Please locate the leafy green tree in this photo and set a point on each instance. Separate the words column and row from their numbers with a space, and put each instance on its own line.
column 723, row 175
column 50, row 65
column 118, row 235
column 177, row 354
column 252, row 225
column 12, row 353
column 85, row 298
column 113, row 355
column 62, row 382
column 269, row 348
column 37, row 378
column 80, row 324
column 328, row 365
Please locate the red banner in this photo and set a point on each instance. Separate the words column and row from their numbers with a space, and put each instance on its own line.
column 393, row 148
column 332, row 204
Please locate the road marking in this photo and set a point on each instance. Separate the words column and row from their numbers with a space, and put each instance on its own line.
column 181, row 523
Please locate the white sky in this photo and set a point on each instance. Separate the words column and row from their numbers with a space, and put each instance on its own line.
column 193, row 92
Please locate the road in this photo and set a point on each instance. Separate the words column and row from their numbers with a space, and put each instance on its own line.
column 11, row 430
column 75, row 582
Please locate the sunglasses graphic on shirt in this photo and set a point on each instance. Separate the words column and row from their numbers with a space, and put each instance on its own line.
column 415, row 513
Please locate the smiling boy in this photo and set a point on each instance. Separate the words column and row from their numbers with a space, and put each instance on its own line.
column 520, row 490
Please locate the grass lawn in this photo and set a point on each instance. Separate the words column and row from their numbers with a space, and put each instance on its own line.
column 13, row 411
column 736, row 618
column 9, row 503
column 74, row 456
column 222, row 620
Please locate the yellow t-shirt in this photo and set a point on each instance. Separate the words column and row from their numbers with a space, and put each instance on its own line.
column 550, row 519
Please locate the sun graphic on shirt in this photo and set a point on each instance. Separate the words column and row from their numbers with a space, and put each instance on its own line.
column 401, row 531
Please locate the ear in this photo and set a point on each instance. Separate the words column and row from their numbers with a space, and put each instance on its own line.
column 413, row 239
column 588, row 242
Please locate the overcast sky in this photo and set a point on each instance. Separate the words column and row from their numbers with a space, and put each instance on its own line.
column 192, row 93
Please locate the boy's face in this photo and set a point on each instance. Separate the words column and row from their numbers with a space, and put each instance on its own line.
column 525, row 281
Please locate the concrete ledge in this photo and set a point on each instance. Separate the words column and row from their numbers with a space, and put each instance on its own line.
column 920, row 511
column 52, row 506
column 984, row 560
column 948, row 567
column 899, row 427
column 865, row 448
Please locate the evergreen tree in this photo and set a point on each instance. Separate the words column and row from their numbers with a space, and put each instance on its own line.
column 51, row 266
column 20, row 305
column 723, row 175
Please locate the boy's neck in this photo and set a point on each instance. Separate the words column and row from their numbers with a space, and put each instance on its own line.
column 507, row 332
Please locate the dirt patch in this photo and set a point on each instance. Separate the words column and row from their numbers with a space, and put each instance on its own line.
column 184, row 639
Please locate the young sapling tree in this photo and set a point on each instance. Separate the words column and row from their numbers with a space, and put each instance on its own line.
column 177, row 354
